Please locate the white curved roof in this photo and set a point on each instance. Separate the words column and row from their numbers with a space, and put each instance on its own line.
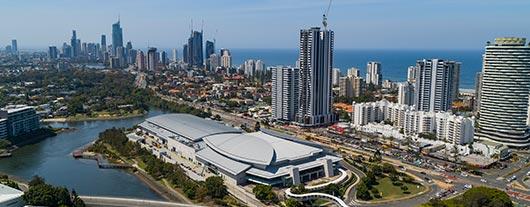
column 242, row 147
column 189, row 126
column 259, row 148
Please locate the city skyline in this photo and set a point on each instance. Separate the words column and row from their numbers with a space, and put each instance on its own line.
column 357, row 23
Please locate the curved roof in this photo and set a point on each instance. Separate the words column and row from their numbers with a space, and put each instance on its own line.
column 242, row 147
column 259, row 148
column 189, row 126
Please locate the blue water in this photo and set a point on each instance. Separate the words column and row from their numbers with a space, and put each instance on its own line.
column 394, row 62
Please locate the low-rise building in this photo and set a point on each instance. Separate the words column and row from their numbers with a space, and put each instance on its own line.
column 443, row 125
column 263, row 157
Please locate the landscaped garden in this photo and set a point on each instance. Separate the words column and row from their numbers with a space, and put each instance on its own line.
column 383, row 181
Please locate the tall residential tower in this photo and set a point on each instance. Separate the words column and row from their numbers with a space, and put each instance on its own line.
column 316, row 63
column 505, row 89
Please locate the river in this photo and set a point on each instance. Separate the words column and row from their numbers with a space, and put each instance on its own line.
column 52, row 160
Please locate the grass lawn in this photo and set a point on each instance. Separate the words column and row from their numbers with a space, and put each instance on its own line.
column 390, row 191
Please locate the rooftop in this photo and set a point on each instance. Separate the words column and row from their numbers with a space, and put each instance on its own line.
column 259, row 148
column 191, row 127
column 8, row 193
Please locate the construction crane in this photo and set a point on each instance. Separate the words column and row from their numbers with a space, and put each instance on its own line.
column 325, row 16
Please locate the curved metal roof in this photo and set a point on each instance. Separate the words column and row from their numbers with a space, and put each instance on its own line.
column 242, row 147
column 189, row 126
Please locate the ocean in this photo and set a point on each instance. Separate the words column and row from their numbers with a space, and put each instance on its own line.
column 394, row 62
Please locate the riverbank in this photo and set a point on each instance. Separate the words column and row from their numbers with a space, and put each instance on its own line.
column 158, row 186
column 80, row 118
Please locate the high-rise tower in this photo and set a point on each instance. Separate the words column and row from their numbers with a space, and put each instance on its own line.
column 505, row 89
column 117, row 37
column 316, row 63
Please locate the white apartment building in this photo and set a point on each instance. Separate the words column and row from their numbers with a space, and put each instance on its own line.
column 374, row 74
column 447, row 127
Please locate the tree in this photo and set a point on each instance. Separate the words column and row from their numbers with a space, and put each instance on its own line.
column 487, row 197
column 36, row 180
column 298, row 189
column 388, row 168
column 293, row 203
column 264, row 193
column 332, row 189
column 215, row 187
column 363, row 192
column 377, row 170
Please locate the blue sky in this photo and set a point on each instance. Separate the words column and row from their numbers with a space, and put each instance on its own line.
column 373, row 24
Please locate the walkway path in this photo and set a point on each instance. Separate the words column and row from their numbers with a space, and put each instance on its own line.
column 113, row 201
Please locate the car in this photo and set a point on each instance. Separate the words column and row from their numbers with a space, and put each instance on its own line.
column 464, row 174
column 483, row 180
column 468, row 186
column 528, row 173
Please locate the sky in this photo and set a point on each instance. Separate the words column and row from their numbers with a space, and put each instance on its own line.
column 358, row 24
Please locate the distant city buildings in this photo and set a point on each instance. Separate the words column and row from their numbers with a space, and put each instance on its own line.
column 411, row 74
column 504, row 93
column 436, row 84
column 354, row 72
column 285, row 81
column 315, row 88
column 374, row 74
column 16, row 120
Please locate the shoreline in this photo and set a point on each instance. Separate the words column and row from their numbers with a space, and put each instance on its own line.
column 165, row 192
column 71, row 119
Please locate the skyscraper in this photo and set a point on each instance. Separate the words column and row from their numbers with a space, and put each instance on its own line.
column 226, row 59
column 406, row 93
column 249, row 67
column 284, row 93
column 175, row 55
column 210, row 48
column 411, row 74
column 351, row 86
column 73, row 43
column 52, row 53
column 316, row 63
column 14, row 46
column 140, row 61
column 373, row 73
column 117, row 37
column 259, row 67
column 163, row 58
column 354, row 72
column 435, row 84
column 185, row 56
column 195, row 50
column 103, row 43
column 503, row 114
column 152, row 59
column 478, row 89
column 335, row 76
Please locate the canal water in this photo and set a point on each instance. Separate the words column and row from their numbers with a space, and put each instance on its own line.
column 52, row 160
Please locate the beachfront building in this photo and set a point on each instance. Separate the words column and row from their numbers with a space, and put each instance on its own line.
column 10, row 197
column 263, row 157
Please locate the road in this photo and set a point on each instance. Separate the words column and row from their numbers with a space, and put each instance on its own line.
column 428, row 165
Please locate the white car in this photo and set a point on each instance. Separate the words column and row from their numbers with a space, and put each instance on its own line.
column 483, row 180
column 468, row 186
column 463, row 174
